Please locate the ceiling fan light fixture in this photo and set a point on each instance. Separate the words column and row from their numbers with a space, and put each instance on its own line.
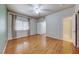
column 37, row 10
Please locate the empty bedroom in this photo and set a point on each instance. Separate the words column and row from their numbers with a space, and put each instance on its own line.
column 39, row 28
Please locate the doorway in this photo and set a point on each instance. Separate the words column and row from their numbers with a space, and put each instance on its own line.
column 67, row 29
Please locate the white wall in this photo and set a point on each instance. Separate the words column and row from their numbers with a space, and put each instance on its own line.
column 54, row 23
column 33, row 29
column 41, row 26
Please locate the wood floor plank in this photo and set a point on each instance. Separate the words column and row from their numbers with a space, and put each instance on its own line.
column 40, row 44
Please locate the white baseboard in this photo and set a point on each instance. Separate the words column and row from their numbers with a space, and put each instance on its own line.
column 5, row 47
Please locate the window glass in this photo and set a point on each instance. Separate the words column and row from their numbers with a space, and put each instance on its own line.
column 21, row 25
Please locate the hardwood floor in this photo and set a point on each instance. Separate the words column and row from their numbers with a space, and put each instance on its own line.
column 40, row 44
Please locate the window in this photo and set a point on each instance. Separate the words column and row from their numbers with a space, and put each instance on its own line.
column 21, row 25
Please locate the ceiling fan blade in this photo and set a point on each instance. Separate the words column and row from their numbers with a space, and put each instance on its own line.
column 30, row 5
column 30, row 10
column 34, row 5
column 46, row 10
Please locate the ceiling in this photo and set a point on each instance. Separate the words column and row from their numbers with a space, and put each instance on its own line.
column 43, row 9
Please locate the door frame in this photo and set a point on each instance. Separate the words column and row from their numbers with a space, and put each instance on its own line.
column 75, row 30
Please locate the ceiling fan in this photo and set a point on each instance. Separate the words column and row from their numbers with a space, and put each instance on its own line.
column 37, row 8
